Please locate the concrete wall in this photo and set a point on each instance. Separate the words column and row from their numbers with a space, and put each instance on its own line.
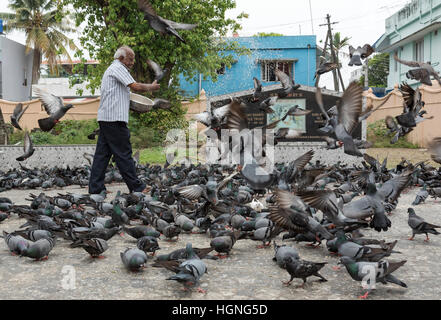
column 426, row 130
column 81, row 111
column 240, row 76
column 16, row 65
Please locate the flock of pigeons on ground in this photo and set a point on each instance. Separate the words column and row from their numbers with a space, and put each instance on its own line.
column 300, row 200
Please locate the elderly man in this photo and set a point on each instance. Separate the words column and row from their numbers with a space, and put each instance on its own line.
column 113, row 116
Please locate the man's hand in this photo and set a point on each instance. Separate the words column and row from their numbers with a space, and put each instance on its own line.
column 143, row 87
column 155, row 86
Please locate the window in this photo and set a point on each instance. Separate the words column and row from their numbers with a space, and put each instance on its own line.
column 419, row 51
column 221, row 70
column 268, row 68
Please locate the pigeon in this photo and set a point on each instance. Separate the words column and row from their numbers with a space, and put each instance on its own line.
column 190, row 271
column 289, row 213
column 138, row 232
column 257, row 94
column 360, row 53
column 265, row 105
column 94, row 246
column 349, row 109
column 298, row 268
column 289, row 86
column 282, row 252
column 159, row 73
column 435, row 149
column 382, row 270
column 54, row 107
column 422, row 73
column 421, row 196
column 325, row 67
column 17, row 114
column 16, row 243
column 161, row 25
column 419, row 226
column 28, row 148
column 34, row 235
column 148, row 244
column 39, row 249
column 224, row 244
column 133, row 259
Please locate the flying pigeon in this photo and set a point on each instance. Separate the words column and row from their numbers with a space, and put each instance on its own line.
column 159, row 73
column 422, row 73
column 17, row 114
column 54, row 107
column 28, row 148
column 289, row 86
column 161, row 25
column 360, row 53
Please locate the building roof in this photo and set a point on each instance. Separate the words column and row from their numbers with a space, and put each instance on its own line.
column 72, row 62
column 280, row 42
column 383, row 44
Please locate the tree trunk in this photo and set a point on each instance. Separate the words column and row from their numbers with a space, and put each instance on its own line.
column 36, row 66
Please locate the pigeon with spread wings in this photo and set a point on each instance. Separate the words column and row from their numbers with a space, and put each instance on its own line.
column 17, row 114
column 360, row 53
column 422, row 72
column 349, row 109
column 54, row 107
column 163, row 26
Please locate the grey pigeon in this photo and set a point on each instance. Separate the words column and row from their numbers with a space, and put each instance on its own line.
column 422, row 72
column 94, row 246
column 40, row 249
column 54, row 107
column 159, row 73
column 421, row 196
column 288, row 84
column 191, row 270
column 419, row 226
column 382, row 270
column 298, row 268
column 133, row 259
column 28, row 148
column 17, row 114
column 163, row 26
column 16, row 243
column 282, row 252
column 224, row 244
column 360, row 53
column 148, row 244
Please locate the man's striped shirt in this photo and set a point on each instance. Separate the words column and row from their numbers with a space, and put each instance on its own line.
column 115, row 93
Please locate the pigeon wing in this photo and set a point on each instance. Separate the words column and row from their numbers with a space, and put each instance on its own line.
column 51, row 103
column 407, row 63
column 349, row 107
column 177, row 25
column 324, row 200
column 146, row 6
column 191, row 192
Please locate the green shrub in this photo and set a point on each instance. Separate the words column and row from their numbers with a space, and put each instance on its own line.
column 377, row 134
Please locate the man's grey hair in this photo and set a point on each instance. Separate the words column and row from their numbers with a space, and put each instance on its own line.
column 122, row 52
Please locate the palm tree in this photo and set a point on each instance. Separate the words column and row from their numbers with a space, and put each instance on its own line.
column 339, row 43
column 44, row 25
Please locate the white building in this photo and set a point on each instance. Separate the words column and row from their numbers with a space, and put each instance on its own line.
column 15, row 70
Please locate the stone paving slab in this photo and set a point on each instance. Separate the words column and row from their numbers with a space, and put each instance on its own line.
column 249, row 274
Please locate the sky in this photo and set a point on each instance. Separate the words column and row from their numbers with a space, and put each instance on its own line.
column 362, row 21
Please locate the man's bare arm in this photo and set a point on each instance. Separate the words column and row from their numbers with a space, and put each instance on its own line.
column 143, row 87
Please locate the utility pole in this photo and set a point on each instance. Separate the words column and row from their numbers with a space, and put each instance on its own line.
column 336, row 73
column 364, row 106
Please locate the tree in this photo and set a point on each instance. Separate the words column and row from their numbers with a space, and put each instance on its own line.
column 113, row 23
column 339, row 43
column 44, row 24
column 378, row 71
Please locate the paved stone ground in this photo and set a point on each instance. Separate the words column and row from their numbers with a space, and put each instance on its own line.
column 249, row 273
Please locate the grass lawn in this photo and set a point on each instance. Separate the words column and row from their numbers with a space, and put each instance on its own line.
column 394, row 155
column 155, row 155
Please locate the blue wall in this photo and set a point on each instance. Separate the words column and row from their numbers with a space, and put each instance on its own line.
column 240, row 76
